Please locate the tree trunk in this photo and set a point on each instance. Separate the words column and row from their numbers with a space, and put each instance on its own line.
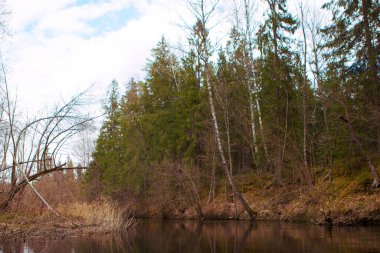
column 304, row 101
column 252, row 87
column 200, row 29
column 236, row 193
column 262, row 131
column 22, row 183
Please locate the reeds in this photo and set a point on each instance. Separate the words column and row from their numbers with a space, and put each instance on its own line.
column 103, row 213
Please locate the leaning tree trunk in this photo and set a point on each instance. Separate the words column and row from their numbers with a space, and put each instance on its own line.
column 199, row 8
column 236, row 193
column 375, row 175
column 24, row 182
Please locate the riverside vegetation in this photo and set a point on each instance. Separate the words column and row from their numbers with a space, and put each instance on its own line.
column 280, row 122
column 258, row 128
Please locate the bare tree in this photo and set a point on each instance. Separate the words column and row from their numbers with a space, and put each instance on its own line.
column 83, row 149
column 203, row 10
column 304, row 107
column 32, row 148
column 317, row 63
column 253, row 87
column 301, row 7
column 347, row 118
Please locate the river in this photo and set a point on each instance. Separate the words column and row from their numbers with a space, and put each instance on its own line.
column 156, row 236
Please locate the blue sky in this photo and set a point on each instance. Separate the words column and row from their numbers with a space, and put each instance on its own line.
column 114, row 20
column 110, row 21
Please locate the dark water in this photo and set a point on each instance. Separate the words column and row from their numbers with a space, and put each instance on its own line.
column 222, row 236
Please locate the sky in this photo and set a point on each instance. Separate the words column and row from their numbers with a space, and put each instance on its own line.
column 58, row 48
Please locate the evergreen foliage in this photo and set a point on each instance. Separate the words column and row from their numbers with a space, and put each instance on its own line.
column 159, row 135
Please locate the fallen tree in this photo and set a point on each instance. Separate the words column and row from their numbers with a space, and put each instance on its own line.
column 33, row 147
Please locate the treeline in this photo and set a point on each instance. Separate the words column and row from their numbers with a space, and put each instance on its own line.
column 284, row 98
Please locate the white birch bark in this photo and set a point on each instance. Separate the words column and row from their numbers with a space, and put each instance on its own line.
column 198, row 9
column 304, row 98
column 251, row 85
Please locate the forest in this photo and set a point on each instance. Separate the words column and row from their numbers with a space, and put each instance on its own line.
column 293, row 100
column 279, row 121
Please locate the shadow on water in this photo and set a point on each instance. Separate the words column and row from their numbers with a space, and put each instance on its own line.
column 152, row 236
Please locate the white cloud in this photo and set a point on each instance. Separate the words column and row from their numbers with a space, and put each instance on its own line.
column 55, row 51
column 50, row 57
column 74, row 18
column 26, row 12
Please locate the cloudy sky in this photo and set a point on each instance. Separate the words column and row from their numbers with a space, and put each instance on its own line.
column 58, row 48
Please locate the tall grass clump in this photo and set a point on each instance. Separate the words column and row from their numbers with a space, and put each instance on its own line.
column 103, row 213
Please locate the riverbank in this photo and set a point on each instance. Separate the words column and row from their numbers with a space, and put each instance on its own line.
column 342, row 199
column 286, row 203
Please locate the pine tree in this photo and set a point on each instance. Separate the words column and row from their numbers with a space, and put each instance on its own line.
column 107, row 150
column 353, row 42
column 277, row 93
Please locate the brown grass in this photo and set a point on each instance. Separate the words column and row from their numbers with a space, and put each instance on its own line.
column 104, row 213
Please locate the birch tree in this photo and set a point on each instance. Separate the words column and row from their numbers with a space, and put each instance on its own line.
column 252, row 87
column 203, row 10
column 305, row 144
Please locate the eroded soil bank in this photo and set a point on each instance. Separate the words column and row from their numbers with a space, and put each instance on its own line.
column 343, row 200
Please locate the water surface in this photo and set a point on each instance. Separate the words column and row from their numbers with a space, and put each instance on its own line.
column 155, row 236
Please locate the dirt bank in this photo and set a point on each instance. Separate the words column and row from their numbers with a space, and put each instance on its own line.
column 343, row 199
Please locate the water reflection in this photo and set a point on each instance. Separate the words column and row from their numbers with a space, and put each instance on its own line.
column 152, row 236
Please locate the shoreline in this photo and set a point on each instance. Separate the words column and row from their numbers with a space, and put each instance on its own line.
column 59, row 229
column 48, row 228
column 338, row 203
column 344, row 201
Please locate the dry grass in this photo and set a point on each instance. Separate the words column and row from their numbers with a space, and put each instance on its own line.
column 104, row 213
